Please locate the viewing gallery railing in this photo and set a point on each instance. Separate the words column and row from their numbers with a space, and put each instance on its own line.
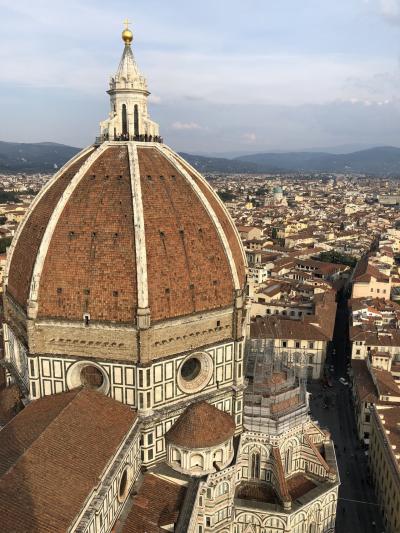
column 125, row 137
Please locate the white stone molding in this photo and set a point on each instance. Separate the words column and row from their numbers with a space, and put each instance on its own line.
column 138, row 222
column 198, row 462
column 202, row 379
column 48, row 234
column 170, row 155
column 33, row 205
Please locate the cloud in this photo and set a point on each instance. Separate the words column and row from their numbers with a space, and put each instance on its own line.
column 390, row 8
column 154, row 99
column 250, row 138
column 186, row 126
column 195, row 63
column 318, row 77
column 378, row 88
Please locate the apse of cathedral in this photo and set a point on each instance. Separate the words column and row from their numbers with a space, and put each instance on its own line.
column 142, row 408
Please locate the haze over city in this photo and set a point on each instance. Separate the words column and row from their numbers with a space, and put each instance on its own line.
column 257, row 75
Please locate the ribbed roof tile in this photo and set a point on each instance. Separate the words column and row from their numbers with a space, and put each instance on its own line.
column 201, row 425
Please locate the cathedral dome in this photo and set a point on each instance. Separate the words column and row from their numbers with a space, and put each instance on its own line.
column 201, row 426
column 127, row 255
column 125, row 226
column 201, row 440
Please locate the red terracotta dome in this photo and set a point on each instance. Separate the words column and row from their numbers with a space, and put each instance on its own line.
column 201, row 425
column 125, row 226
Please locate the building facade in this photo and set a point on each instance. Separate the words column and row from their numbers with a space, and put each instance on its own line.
column 384, row 463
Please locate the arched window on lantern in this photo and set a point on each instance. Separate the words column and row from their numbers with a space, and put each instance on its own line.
column 255, row 465
column 124, row 120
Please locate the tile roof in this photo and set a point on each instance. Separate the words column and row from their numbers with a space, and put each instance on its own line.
column 389, row 418
column 385, row 383
column 53, row 454
column 156, row 505
column 363, row 382
column 283, row 328
column 201, row 425
column 364, row 271
column 299, row 485
column 373, row 337
column 256, row 491
column 282, row 487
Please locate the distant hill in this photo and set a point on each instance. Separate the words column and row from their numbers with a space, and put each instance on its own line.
column 384, row 160
column 380, row 161
column 34, row 157
column 220, row 164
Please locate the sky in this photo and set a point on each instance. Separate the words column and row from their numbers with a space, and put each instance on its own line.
column 226, row 76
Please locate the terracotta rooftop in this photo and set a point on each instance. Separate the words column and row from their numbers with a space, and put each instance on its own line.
column 363, row 382
column 201, row 425
column 260, row 492
column 282, row 328
column 389, row 419
column 372, row 337
column 75, row 434
column 157, row 505
column 91, row 263
column 299, row 485
column 385, row 383
column 364, row 271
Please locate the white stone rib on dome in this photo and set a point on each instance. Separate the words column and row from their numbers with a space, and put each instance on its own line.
column 36, row 200
column 217, row 198
column 138, row 222
column 44, row 245
column 168, row 153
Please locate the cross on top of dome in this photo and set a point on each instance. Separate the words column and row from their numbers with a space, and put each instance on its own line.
column 127, row 35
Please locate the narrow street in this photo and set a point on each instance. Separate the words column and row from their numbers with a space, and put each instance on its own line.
column 358, row 511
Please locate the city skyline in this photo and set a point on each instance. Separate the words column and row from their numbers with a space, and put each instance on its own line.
column 253, row 76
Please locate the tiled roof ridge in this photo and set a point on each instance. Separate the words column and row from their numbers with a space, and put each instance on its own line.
column 317, row 454
column 283, row 488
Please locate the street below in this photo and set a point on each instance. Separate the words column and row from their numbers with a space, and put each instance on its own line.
column 358, row 510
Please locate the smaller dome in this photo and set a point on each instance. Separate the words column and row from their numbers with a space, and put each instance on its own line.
column 201, row 425
column 277, row 190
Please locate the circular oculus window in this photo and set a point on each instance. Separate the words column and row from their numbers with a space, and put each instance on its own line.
column 191, row 369
column 92, row 377
column 195, row 372
column 88, row 374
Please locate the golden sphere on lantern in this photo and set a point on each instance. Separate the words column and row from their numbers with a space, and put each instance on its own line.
column 127, row 36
